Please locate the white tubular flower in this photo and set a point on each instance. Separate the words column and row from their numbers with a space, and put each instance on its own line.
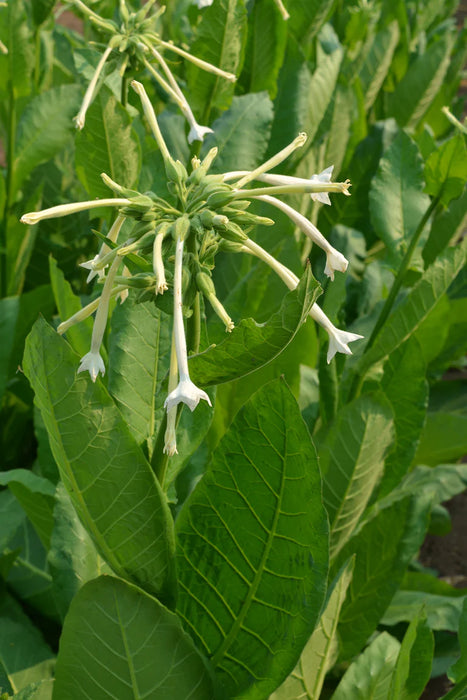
column 282, row 10
column 197, row 132
column 158, row 263
column 338, row 340
column 86, row 311
column 334, row 259
column 204, row 65
column 65, row 209
column 203, row 3
column 92, row 361
column 186, row 391
column 170, row 436
column 151, row 117
column 80, row 118
column 112, row 235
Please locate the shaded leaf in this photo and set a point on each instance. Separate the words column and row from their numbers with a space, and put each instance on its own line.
column 413, row 667
column 442, row 612
column 110, row 483
column 41, row 9
column 36, row 496
column 129, row 645
column 252, row 345
column 307, row 16
column 446, row 170
column 252, row 547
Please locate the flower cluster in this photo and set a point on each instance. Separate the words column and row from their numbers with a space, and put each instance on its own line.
column 135, row 39
column 203, row 214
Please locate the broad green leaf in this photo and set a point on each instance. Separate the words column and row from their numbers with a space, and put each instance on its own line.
column 241, row 134
column 9, row 309
column 378, row 61
column 444, row 438
column 414, row 309
column 321, row 651
column 404, row 385
column 443, row 612
column 220, row 40
column 352, row 457
column 24, row 654
column 11, row 517
column 307, row 16
column 397, row 201
column 41, row 9
column 110, row 483
column 17, row 38
column 72, row 557
column 322, row 84
column 139, row 348
column 252, row 345
column 459, row 669
column 267, row 37
column 21, row 242
column 446, row 170
column 252, row 547
column 369, row 676
column 108, row 144
column 413, row 666
column 79, row 335
column 5, row 685
column 447, row 226
column 420, row 84
column 383, row 548
column 36, row 496
column 44, row 128
column 129, row 646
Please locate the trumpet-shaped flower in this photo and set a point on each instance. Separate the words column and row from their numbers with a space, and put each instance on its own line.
column 198, row 132
column 93, row 363
column 186, row 392
column 203, row 3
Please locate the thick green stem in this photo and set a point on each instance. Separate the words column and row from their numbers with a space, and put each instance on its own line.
column 395, row 289
column 124, row 94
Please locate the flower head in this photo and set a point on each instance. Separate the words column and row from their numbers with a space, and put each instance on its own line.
column 188, row 393
column 93, row 363
column 339, row 342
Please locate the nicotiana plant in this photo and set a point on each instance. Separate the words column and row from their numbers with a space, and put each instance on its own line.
column 203, row 493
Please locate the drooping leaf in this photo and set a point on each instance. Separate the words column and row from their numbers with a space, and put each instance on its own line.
column 241, row 134
column 252, row 546
column 413, row 667
column 129, row 646
column 352, row 459
column 369, row 676
column 446, row 170
column 378, row 61
column 108, row 144
column 110, row 483
column 321, row 651
column 220, row 40
column 267, row 36
column 416, row 306
column 404, row 385
column 252, row 345
column 44, row 128
column 397, row 201
column 420, row 84
column 383, row 548
column 443, row 612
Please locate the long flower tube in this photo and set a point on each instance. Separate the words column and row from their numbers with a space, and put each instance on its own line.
column 338, row 339
column 276, row 159
column 186, row 391
column 87, row 310
column 112, row 236
column 170, row 436
column 92, row 361
column 65, row 209
column 80, row 118
column 208, row 67
column 151, row 117
column 334, row 259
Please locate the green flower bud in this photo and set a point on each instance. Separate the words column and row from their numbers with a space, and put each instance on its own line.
column 233, row 232
column 180, row 227
column 218, row 199
column 175, row 171
column 205, row 284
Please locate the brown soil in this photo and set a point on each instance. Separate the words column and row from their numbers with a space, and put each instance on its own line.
column 448, row 556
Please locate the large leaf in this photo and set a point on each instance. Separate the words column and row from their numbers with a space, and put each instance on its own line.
column 41, row 9
column 16, row 35
column 459, row 669
column 108, row 144
column 267, row 36
column 252, row 345
column 220, row 40
column 416, row 306
column 420, row 84
column 378, row 61
column 369, row 676
column 447, row 226
column 404, row 385
column 443, row 612
column 139, row 348
column 252, row 543
column 397, row 201
column 446, row 170
column 44, row 128
column 307, row 16
column 321, row 651
column 110, row 483
column 241, row 134
column 383, row 548
column 352, row 459
column 119, row 642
